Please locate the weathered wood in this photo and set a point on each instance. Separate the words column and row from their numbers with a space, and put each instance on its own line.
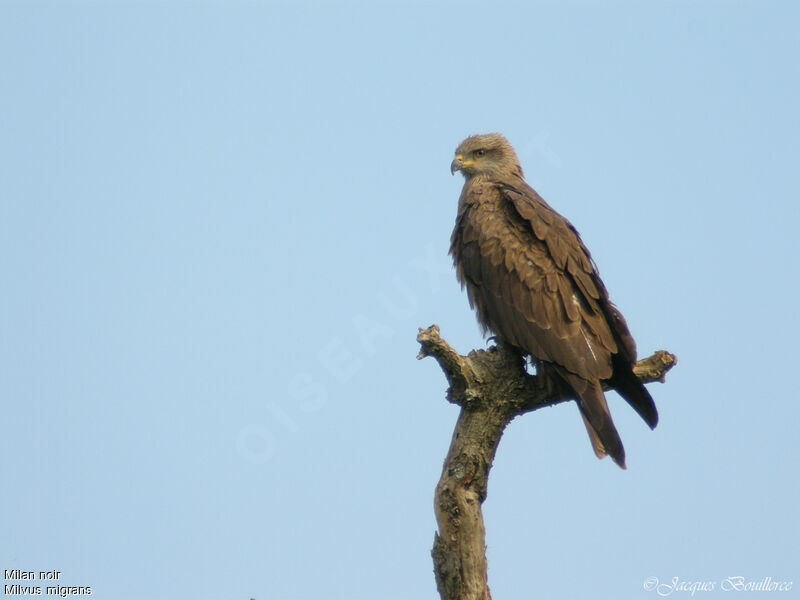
column 492, row 387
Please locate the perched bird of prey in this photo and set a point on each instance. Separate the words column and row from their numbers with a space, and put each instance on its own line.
column 535, row 286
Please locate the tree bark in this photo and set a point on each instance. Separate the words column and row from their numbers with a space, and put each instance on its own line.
column 492, row 387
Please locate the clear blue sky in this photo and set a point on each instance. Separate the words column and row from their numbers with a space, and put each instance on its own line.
column 222, row 223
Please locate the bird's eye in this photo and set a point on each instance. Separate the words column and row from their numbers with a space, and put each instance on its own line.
column 479, row 153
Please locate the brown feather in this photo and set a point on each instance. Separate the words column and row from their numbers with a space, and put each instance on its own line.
column 568, row 299
column 534, row 285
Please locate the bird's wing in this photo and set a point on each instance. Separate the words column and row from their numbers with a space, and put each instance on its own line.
column 600, row 315
column 533, row 282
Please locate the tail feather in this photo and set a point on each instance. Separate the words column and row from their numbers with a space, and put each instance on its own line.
column 597, row 445
column 629, row 387
column 597, row 418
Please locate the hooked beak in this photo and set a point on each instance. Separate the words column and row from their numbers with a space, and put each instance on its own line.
column 456, row 165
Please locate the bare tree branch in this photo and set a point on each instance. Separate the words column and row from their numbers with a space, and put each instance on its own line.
column 492, row 387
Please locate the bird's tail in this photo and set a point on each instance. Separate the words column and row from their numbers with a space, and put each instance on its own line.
column 597, row 418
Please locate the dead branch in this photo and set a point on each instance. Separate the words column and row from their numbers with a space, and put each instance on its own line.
column 492, row 387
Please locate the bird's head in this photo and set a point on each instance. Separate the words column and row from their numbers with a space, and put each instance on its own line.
column 488, row 154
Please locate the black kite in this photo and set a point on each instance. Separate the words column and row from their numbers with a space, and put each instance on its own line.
column 534, row 285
